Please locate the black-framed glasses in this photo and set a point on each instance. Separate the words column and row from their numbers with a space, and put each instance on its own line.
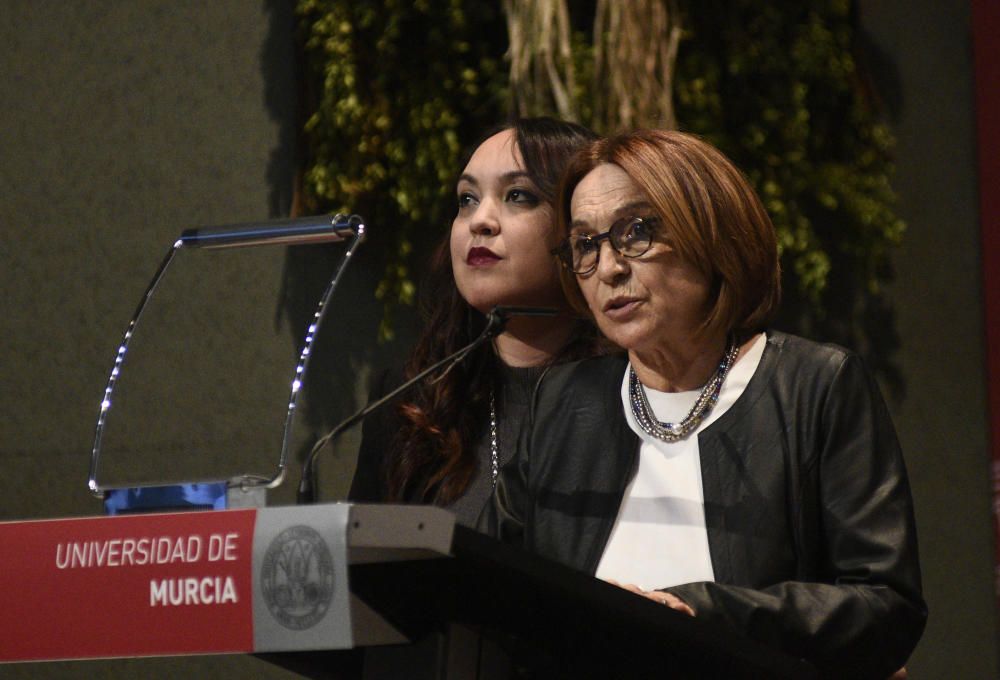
column 631, row 236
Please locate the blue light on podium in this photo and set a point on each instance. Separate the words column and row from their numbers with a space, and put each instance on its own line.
column 168, row 498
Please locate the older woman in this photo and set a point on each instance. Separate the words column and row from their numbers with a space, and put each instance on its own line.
column 735, row 473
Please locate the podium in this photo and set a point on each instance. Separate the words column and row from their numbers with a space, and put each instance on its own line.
column 555, row 622
column 91, row 588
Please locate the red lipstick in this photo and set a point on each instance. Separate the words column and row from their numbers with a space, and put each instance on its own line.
column 481, row 257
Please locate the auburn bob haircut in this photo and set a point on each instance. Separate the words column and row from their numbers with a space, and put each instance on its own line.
column 715, row 220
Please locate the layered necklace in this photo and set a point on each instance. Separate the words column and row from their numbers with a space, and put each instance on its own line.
column 674, row 432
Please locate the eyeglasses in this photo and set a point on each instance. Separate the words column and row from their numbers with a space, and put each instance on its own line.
column 631, row 237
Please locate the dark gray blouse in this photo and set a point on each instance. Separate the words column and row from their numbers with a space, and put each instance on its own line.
column 513, row 400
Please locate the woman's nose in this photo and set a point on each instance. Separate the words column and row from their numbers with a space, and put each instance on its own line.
column 611, row 265
column 485, row 221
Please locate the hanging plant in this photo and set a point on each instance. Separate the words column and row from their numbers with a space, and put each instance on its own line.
column 777, row 87
column 402, row 87
column 395, row 91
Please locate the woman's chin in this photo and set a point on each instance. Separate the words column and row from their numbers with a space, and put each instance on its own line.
column 626, row 336
column 485, row 303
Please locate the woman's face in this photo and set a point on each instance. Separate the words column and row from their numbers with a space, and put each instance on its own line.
column 652, row 302
column 503, row 232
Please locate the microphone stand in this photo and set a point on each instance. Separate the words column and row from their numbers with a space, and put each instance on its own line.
column 496, row 321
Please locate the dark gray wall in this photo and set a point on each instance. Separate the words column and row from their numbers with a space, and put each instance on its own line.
column 124, row 122
column 926, row 78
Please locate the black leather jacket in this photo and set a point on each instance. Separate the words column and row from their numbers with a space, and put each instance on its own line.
column 808, row 510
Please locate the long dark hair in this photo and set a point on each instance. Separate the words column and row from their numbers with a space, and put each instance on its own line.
column 432, row 458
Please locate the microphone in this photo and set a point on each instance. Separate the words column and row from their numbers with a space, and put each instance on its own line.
column 496, row 320
column 294, row 231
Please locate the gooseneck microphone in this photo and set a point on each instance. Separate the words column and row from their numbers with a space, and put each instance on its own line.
column 496, row 320
column 292, row 231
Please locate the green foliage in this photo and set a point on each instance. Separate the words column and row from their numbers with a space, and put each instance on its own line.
column 400, row 88
column 776, row 86
column 395, row 90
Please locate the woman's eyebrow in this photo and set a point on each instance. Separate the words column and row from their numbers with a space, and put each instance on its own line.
column 630, row 209
column 505, row 178
column 514, row 175
column 622, row 212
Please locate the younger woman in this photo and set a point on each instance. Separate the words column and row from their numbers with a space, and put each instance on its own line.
column 444, row 442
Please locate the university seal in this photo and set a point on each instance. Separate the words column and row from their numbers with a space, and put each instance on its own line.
column 297, row 578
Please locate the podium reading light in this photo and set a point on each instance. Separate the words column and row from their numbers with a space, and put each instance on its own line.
column 245, row 489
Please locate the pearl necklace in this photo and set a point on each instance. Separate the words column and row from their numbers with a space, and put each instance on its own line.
column 494, row 445
column 674, row 432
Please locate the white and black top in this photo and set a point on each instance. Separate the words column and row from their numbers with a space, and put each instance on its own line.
column 659, row 538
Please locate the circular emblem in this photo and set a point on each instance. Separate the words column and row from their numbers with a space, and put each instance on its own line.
column 297, row 578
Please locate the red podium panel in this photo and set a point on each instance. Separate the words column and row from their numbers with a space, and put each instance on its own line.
column 127, row 586
column 202, row 582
